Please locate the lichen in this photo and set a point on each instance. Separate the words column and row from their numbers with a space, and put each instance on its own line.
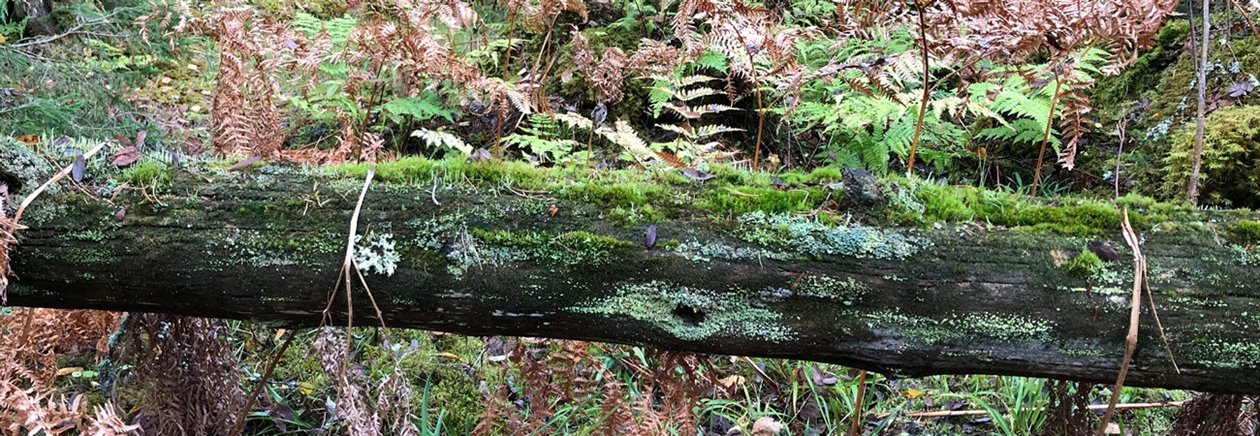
column 691, row 314
column 569, row 248
column 1007, row 328
column 375, row 253
column 844, row 290
column 697, row 251
column 814, row 238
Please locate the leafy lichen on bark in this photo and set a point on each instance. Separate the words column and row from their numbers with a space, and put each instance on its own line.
column 691, row 314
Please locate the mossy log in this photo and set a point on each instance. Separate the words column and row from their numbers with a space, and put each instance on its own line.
column 735, row 268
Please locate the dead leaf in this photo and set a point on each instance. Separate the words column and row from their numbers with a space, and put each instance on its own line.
column 28, row 139
column 697, row 175
column 912, row 394
column 244, row 163
column 732, row 381
column 140, row 138
column 121, row 214
column 79, row 169
column 766, row 426
column 68, row 370
column 553, row 210
column 125, row 157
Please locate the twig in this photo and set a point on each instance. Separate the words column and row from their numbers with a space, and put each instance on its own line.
column 857, row 405
column 1045, row 139
column 1135, row 313
column 981, row 412
column 55, row 178
column 71, row 31
column 239, row 426
column 927, row 89
column 10, row 227
column 1246, row 18
column 348, row 263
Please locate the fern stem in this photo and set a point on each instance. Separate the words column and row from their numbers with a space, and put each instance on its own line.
column 507, row 64
column 856, row 424
column 1045, row 138
column 1192, row 194
column 761, row 113
column 927, row 90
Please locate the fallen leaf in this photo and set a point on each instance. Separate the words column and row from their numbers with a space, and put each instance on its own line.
column 28, row 139
column 140, row 138
column 697, row 175
column 79, row 169
column 279, row 334
column 244, row 163
column 121, row 214
column 766, row 426
column 732, row 381
column 649, row 236
column 126, row 156
column 912, row 394
column 553, row 210
column 449, row 356
column 68, row 370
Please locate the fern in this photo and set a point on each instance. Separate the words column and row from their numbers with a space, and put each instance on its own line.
column 440, row 139
column 420, row 108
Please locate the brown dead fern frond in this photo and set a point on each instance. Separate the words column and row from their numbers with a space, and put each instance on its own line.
column 188, row 376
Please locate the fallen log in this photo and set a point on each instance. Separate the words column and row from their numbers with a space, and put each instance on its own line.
column 951, row 280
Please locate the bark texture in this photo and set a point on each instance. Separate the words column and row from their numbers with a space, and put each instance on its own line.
column 470, row 248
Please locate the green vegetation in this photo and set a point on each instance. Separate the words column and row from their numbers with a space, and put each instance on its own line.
column 749, row 118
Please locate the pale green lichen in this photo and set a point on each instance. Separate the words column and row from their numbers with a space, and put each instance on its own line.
column 375, row 253
column 689, row 313
column 697, row 251
column 1217, row 353
column 1004, row 328
column 845, row 290
column 814, row 238
column 1245, row 256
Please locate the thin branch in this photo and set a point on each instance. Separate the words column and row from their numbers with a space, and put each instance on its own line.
column 239, row 426
column 73, row 30
column 981, row 412
column 1135, row 314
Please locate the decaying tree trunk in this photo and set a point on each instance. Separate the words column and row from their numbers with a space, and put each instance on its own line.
column 501, row 249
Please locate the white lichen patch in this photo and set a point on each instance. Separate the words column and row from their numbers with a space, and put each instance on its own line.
column 375, row 253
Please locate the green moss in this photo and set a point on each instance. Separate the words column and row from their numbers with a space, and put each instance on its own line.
column 1230, row 160
column 691, row 314
column 1084, row 264
column 1245, row 232
column 148, row 174
column 635, row 215
column 750, row 199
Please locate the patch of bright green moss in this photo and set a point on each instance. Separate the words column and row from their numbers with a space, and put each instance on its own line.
column 1084, row 264
column 691, row 314
column 149, row 174
column 1245, row 232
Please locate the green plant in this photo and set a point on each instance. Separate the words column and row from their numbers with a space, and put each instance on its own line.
column 1231, row 158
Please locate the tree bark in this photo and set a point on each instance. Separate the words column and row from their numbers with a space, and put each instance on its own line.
column 460, row 248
